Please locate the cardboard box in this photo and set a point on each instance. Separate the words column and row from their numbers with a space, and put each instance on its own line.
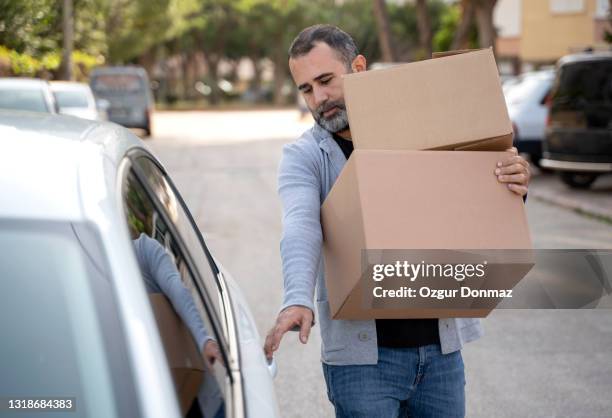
column 416, row 200
column 452, row 102
column 185, row 360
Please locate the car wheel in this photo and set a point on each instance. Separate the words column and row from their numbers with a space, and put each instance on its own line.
column 578, row 180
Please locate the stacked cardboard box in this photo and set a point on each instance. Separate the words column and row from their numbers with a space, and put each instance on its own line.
column 396, row 193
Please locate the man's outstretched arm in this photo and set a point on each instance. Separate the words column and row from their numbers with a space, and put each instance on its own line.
column 299, row 188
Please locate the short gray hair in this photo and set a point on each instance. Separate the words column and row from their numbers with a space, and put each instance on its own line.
column 336, row 38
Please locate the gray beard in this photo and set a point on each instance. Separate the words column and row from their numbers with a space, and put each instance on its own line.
column 335, row 124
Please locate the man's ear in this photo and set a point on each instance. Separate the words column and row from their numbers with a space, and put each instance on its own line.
column 359, row 64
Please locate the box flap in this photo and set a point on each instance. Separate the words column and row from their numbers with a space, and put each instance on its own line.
column 431, row 104
column 442, row 54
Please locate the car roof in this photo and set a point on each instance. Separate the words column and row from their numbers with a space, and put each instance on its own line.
column 119, row 70
column 30, row 83
column 52, row 165
column 585, row 57
column 69, row 85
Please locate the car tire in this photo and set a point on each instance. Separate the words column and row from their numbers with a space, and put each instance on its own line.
column 578, row 180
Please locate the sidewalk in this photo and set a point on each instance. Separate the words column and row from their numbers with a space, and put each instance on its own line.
column 596, row 201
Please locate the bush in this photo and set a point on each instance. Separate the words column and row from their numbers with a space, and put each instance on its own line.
column 16, row 64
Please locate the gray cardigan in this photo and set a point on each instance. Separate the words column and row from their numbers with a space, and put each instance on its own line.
column 308, row 169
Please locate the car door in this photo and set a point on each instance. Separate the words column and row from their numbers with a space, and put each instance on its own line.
column 157, row 217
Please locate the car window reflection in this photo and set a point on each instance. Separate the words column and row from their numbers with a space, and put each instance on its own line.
column 191, row 347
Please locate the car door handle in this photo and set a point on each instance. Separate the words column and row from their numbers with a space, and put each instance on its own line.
column 272, row 367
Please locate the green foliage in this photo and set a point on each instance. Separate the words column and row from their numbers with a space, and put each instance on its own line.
column 449, row 20
column 30, row 26
column 27, row 65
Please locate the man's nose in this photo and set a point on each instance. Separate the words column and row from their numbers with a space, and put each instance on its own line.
column 320, row 96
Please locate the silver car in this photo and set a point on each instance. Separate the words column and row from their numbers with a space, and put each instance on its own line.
column 29, row 94
column 82, row 329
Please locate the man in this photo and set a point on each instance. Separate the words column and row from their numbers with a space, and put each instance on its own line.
column 377, row 368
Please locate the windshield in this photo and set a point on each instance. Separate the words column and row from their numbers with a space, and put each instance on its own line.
column 117, row 84
column 71, row 98
column 22, row 99
column 586, row 87
column 58, row 322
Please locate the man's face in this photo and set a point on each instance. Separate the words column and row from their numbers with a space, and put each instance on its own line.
column 318, row 76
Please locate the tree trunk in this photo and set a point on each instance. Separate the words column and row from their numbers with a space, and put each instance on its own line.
column 484, row 20
column 384, row 31
column 65, row 72
column 185, row 79
column 256, row 80
column 460, row 40
column 212, row 62
column 424, row 24
column 280, row 75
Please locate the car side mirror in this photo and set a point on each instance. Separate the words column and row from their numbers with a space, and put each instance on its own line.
column 272, row 367
column 103, row 105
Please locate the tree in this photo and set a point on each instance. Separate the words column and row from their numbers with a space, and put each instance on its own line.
column 384, row 32
column 133, row 27
column 67, row 41
column 30, row 26
column 608, row 34
column 424, row 25
column 484, row 21
column 465, row 25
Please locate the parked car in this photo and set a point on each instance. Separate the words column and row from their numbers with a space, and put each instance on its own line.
column 77, row 99
column 526, row 101
column 77, row 318
column 128, row 93
column 579, row 133
column 30, row 94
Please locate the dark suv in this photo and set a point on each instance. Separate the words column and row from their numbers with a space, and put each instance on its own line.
column 578, row 140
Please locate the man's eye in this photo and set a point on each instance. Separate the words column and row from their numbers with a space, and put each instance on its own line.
column 325, row 81
column 306, row 90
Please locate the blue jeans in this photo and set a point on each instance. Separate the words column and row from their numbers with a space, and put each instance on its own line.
column 407, row 382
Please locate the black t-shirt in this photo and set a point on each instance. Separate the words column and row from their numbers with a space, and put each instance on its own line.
column 399, row 332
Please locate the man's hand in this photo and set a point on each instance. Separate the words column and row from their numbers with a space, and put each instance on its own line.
column 211, row 353
column 514, row 171
column 293, row 316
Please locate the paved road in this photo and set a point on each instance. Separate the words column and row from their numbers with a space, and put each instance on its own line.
column 530, row 364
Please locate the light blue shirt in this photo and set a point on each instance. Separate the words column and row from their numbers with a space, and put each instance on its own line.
column 161, row 276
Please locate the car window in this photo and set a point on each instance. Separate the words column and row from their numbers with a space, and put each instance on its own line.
column 71, row 98
column 181, row 219
column 117, row 84
column 32, row 100
column 61, row 333
column 586, row 87
column 188, row 325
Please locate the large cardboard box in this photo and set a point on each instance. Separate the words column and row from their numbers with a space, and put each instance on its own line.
column 404, row 200
column 451, row 102
column 185, row 360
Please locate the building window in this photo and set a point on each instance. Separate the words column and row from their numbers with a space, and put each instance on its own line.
column 602, row 9
column 566, row 6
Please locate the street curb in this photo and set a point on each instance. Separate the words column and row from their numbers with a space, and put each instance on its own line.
column 582, row 208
